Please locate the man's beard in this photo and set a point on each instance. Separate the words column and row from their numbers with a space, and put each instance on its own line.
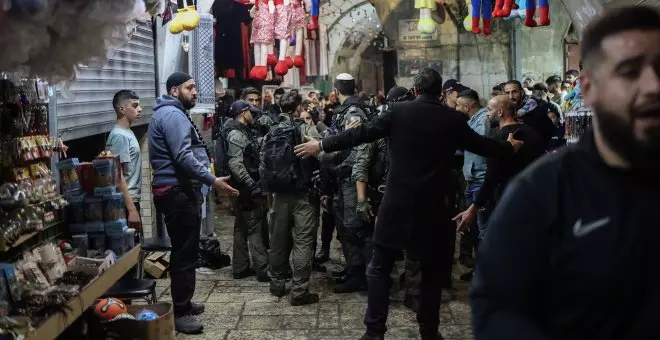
column 494, row 122
column 187, row 104
column 620, row 137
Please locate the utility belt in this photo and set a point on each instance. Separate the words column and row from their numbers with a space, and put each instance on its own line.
column 375, row 194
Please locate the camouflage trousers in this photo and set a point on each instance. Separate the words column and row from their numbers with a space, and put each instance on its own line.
column 293, row 235
column 249, row 228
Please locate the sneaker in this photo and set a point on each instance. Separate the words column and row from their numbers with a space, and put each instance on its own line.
column 196, row 308
column 411, row 303
column 305, row 299
column 436, row 336
column 246, row 273
column 188, row 324
column 339, row 273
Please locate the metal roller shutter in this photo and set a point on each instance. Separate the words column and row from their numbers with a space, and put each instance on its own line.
column 87, row 110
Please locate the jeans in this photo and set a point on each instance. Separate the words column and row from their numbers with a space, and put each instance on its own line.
column 478, row 233
column 378, row 276
column 182, row 209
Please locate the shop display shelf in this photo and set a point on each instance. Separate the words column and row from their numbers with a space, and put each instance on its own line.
column 5, row 248
column 57, row 323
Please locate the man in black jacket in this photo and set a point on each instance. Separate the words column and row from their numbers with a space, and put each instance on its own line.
column 414, row 208
column 572, row 248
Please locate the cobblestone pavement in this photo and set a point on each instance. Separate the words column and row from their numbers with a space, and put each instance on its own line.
column 244, row 310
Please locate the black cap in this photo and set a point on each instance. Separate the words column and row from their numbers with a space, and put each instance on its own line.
column 239, row 106
column 176, row 79
column 395, row 93
column 540, row 87
column 453, row 85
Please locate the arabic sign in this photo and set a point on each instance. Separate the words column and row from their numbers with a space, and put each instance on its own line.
column 408, row 32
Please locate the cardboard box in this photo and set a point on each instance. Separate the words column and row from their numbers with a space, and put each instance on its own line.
column 161, row 328
column 89, row 265
column 155, row 269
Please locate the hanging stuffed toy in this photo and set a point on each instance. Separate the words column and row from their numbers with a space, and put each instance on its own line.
column 544, row 13
column 282, row 32
column 314, row 13
column 503, row 8
column 481, row 10
column 186, row 19
column 263, row 37
column 298, row 24
column 426, row 23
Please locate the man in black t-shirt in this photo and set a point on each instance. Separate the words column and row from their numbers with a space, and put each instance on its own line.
column 502, row 117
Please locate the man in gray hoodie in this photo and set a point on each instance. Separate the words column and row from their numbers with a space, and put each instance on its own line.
column 180, row 163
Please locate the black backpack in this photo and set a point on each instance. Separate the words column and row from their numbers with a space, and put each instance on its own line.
column 220, row 152
column 279, row 168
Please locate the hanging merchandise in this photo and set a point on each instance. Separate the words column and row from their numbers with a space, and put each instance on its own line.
column 513, row 11
column 544, row 13
column 49, row 38
column 578, row 122
column 481, row 9
column 314, row 15
column 427, row 21
column 263, row 36
column 230, row 16
column 297, row 25
column 187, row 18
column 282, row 32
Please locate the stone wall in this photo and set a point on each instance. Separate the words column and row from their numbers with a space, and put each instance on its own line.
column 477, row 61
column 542, row 48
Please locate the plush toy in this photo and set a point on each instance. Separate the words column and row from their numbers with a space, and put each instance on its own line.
column 481, row 9
column 503, row 8
column 186, row 19
column 298, row 24
column 314, row 13
column 426, row 24
column 282, row 32
column 544, row 13
column 263, row 37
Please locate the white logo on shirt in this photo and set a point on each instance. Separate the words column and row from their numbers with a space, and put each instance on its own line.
column 580, row 230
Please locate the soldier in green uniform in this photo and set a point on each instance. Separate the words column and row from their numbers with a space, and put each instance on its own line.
column 249, row 207
column 295, row 220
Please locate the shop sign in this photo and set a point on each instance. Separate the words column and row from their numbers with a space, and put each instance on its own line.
column 410, row 68
column 408, row 32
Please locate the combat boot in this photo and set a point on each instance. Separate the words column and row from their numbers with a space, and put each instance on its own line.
column 324, row 253
column 188, row 324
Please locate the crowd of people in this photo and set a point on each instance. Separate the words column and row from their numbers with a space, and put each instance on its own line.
column 565, row 237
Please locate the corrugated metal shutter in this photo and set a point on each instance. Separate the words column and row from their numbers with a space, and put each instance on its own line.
column 88, row 109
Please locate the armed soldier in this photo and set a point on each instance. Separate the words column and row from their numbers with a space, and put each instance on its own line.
column 249, row 207
column 354, row 232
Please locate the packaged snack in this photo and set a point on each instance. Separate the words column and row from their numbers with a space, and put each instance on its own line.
column 94, row 209
column 68, row 176
column 13, row 286
column 113, row 207
column 115, row 228
column 76, row 208
column 104, row 170
column 86, row 174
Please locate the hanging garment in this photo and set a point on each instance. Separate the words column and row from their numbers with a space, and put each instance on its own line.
column 323, row 51
column 228, row 47
column 311, row 55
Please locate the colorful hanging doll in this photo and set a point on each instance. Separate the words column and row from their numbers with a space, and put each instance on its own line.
column 481, row 10
column 298, row 24
column 263, row 37
column 314, row 13
column 503, row 8
column 544, row 13
column 282, row 32
column 187, row 19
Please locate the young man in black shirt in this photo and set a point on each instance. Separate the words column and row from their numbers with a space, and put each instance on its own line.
column 572, row 247
column 502, row 117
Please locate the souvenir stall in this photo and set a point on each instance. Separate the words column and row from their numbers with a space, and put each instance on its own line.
column 63, row 236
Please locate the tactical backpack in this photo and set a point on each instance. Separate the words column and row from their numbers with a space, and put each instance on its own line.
column 279, row 168
column 220, row 148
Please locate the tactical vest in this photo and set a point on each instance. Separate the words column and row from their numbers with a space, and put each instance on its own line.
column 251, row 152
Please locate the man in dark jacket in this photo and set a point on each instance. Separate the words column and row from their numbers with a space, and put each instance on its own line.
column 532, row 111
column 414, row 208
column 572, row 248
column 180, row 164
